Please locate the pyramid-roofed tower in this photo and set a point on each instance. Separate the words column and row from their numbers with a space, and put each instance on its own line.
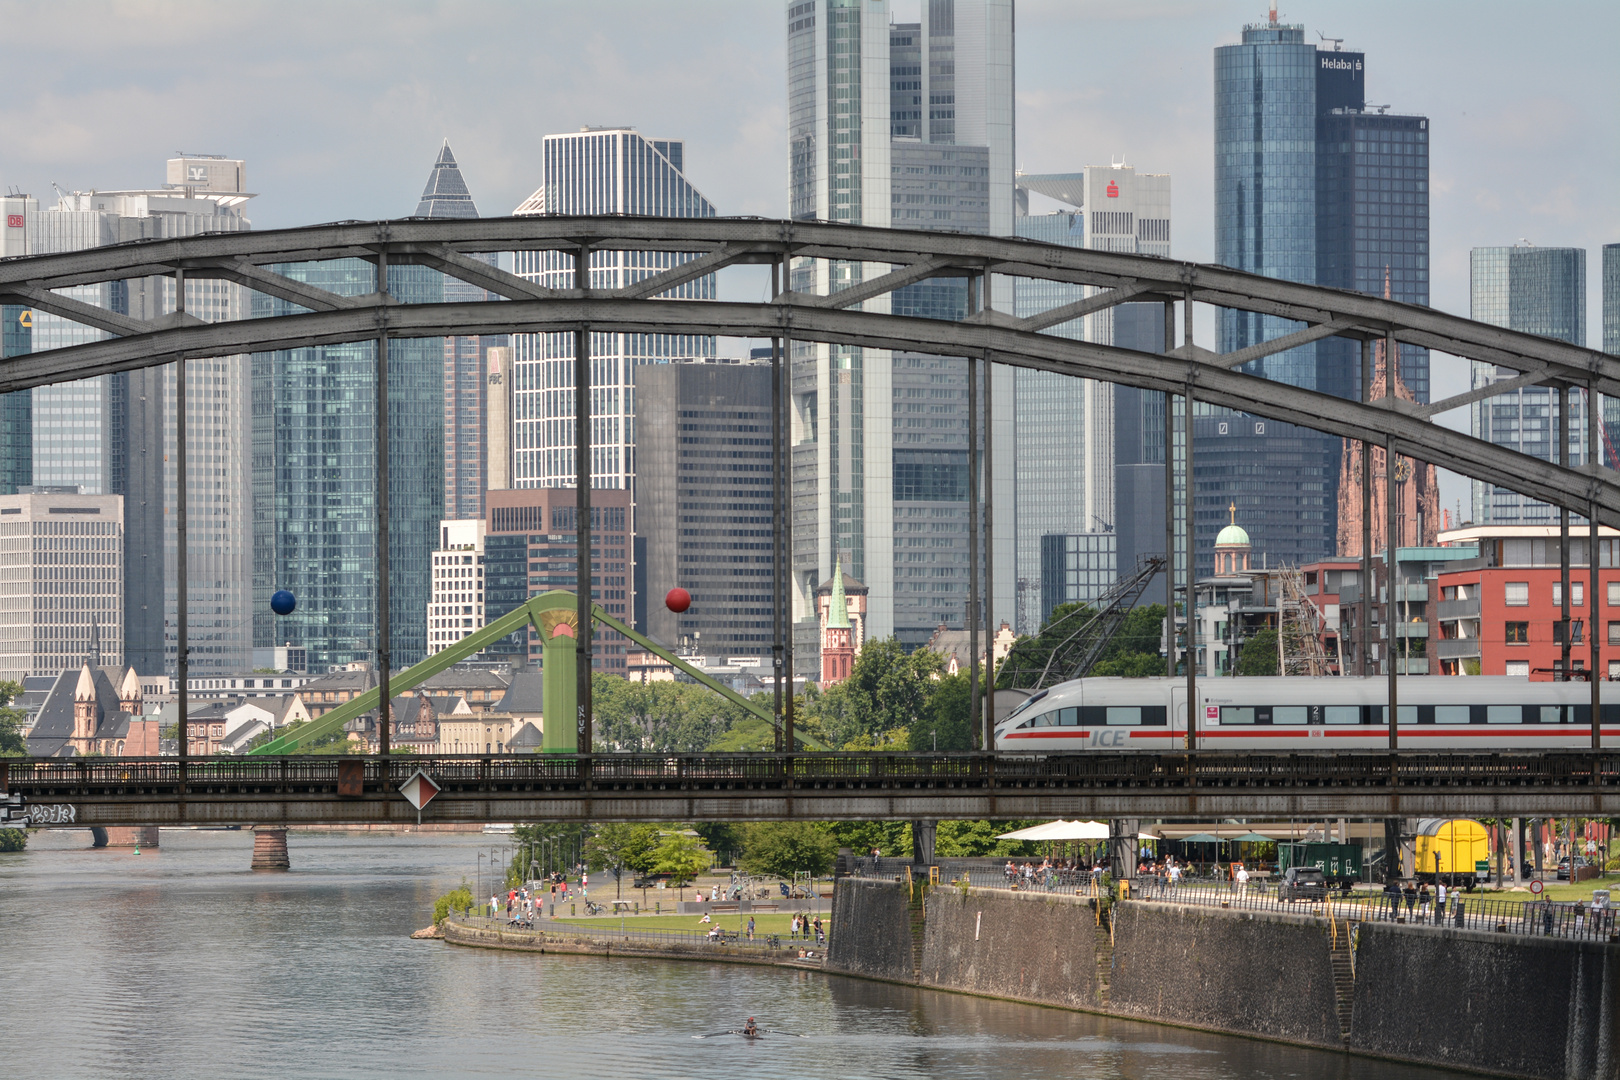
column 446, row 194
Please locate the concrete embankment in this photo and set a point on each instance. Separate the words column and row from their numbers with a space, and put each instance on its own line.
column 480, row 934
column 1496, row 1003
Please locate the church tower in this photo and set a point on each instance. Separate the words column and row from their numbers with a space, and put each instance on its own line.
column 837, row 639
column 1232, row 548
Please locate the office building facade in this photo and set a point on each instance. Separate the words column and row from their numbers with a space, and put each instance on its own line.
column 704, row 505
column 466, row 384
column 1069, row 447
column 531, row 547
column 314, row 477
column 1536, row 291
column 909, row 125
column 61, row 581
column 456, row 604
column 598, row 171
column 1611, row 299
column 115, row 434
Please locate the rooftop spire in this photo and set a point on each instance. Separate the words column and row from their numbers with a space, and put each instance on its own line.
column 838, row 606
column 446, row 194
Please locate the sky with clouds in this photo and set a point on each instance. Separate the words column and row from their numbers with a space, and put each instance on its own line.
column 339, row 108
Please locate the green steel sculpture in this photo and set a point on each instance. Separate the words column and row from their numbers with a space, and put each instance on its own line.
column 553, row 615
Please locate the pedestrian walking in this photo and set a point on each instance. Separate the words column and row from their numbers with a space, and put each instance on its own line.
column 1411, row 899
column 1439, row 901
column 750, row 928
column 1423, row 902
column 1242, row 881
column 1392, row 893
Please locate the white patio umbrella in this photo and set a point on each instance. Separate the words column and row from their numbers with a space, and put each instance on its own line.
column 1060, row 830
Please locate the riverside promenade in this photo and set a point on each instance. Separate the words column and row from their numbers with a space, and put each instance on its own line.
column 614, row 937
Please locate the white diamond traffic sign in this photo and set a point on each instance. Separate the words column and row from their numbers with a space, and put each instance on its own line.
column 419, row 789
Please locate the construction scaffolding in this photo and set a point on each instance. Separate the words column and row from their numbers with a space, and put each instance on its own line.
column 1300, row 629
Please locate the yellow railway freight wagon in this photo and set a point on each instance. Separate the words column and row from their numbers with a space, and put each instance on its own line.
column 1450, row 850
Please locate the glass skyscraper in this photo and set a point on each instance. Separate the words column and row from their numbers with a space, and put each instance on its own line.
column 314, row 458
column 1068, row 452
column 1611, row 299
column 598, row 171
column 1309, row 187
column 115, row 434
column 1537, row 291
column 909, row 125
column 465, row 379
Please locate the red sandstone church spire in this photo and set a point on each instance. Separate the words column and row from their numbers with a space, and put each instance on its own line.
column 837, row 639
column 1417, row 491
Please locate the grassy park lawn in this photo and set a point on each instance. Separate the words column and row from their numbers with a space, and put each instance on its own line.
column 765, row 923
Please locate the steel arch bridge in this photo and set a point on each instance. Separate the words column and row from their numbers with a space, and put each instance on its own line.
column 898, row 258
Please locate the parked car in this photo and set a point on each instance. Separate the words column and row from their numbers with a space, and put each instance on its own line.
column 1302, row 883
column 1563, row 867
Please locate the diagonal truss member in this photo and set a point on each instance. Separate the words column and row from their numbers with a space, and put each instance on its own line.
column 543, row 612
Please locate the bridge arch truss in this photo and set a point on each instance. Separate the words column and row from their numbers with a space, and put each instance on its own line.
column 710, row 244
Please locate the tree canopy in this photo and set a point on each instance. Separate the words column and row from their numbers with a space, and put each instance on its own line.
column 887, row 689
column 12, row 741
column 784, row 848
column 1258, row 656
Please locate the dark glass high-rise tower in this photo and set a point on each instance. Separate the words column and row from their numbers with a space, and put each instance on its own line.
column 1313, row 188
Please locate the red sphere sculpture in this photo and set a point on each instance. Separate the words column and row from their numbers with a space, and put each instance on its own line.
column 678, row 600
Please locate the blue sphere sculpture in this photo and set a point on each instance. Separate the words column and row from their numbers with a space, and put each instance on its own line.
column 283, row 602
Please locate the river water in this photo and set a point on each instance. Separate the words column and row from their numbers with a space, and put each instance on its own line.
column 181, row 962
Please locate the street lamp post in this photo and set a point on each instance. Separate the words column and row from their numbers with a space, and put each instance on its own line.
column 479, row 879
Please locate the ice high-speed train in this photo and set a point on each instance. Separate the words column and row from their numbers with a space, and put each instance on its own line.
column 1289, row 714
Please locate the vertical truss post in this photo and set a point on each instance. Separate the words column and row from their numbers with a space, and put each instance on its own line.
column 181, row 505
column 1392, row 549
column 385, row 657
column 1562, row 392
column 1364, row 667
column 975, row 715
column 1189, row 493
column 778, row 578
column 787, row 522
column 582, row 509
column 989, row 545
column 1593, row 626
column 1170, row 506
column 582, row 504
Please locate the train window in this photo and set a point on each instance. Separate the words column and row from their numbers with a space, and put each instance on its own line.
column 1234, row 714
column 1028, row 702
column 1380, row 714
column 1127, row 715
column 1046, row 720
column 1153, row 715
column 1552, row 714
column 1451, row 714
column 1068, row 717
column 1289, row 714
column 1342, row 714
column 1504, row 714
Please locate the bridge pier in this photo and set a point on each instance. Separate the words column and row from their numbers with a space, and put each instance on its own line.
column 131, row 836
column 270, row 849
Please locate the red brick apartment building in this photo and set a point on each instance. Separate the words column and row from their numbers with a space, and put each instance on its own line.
column 1500, row 613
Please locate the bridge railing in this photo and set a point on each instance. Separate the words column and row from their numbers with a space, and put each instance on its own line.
column 1206, row 770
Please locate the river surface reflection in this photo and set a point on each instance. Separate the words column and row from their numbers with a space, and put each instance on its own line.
column 181, row 962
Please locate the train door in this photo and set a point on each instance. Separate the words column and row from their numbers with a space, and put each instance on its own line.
column 1178, row 716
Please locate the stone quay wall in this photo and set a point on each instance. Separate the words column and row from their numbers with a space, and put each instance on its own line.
column 1256, row 973
column 1508, row 1005
column 1524, row 1006
column 1027, row 946
column 871, row 930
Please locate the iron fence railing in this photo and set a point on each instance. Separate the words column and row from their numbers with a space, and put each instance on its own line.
column 610, row 930
column 840, row 771
column 1469, row 911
